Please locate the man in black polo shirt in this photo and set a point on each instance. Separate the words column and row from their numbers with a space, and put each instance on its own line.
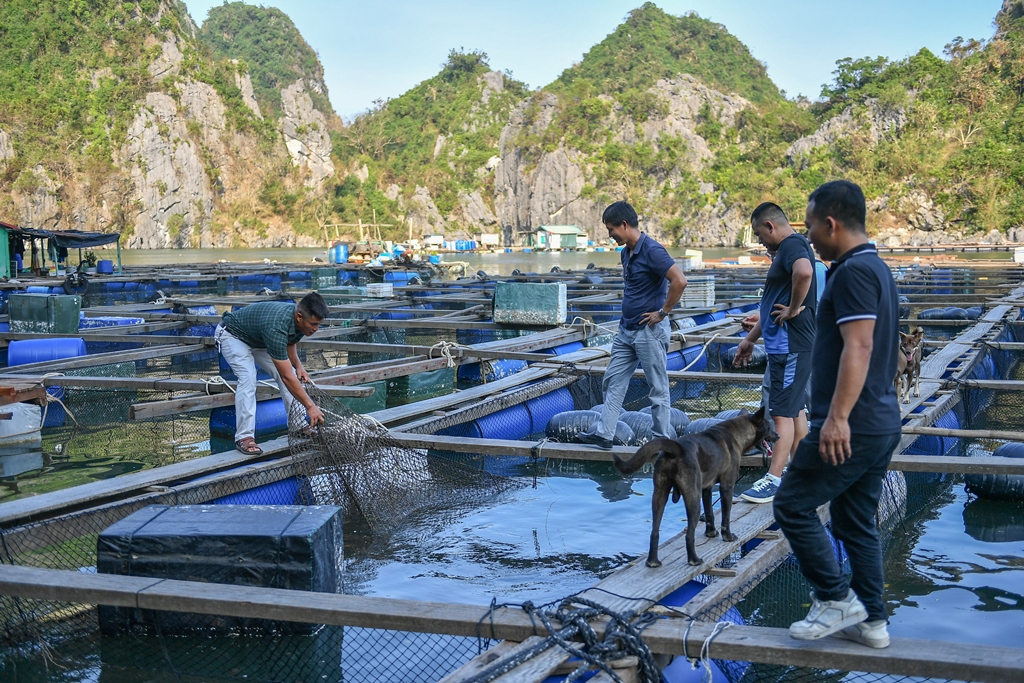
column 855, row 426
column 652, row 285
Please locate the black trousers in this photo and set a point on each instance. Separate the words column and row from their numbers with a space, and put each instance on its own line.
column 853, row 488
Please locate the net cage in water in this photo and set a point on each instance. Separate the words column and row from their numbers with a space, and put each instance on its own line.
column 352, row 462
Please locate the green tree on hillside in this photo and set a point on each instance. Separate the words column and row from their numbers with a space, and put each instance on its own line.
column 266, row 40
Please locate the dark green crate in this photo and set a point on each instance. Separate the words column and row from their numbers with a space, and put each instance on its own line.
column 368, row 404
column 49, row 313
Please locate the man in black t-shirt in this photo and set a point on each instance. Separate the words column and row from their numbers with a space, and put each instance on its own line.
column 855, row 426
column 787, row 325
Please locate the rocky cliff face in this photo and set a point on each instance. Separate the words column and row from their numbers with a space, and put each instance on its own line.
column 534, row 188
column 182, row 158
column 305, row 135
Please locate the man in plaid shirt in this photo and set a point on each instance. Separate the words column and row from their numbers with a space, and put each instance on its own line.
column 265, row 335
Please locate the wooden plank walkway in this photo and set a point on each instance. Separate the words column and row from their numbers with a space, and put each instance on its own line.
column 904, row 657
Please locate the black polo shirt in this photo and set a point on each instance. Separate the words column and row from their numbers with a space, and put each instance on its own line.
column 644, row 285
column 859, row 286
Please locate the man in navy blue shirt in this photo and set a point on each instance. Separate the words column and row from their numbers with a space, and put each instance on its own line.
column 855, row 426
column 652, row 286
column 787, row 324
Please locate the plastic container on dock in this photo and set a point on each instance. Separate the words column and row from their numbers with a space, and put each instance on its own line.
column 293, row 547
column 104, row 267
column 338, row 253
column 25, row 351
column 530, row 303
column 49, row 313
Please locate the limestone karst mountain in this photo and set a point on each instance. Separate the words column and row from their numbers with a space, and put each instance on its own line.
column 126, row 116
column 116, row 116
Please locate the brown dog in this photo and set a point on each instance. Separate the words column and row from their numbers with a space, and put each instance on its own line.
column 908, row 367
column 690, row 465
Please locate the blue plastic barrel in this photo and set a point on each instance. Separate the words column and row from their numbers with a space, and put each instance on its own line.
column 470, row 373
column 284, row 492
column 680, row 670
column 565, row 349
column 543, row 408
column 510, row 423
column 25, row 351
column 271, row 418
column 105, row 266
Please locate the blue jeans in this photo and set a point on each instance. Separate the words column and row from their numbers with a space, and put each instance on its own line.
column 646, row 345
column 853, row 488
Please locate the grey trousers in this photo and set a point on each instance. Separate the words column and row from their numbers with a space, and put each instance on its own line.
column 243, row 360
column 647, row 346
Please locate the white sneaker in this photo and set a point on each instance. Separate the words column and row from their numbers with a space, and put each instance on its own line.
column 870, row 633
column 828, row 616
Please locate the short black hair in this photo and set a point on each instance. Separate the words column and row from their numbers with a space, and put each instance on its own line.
column 843, row 201
column 313, row 306
column 768, row 211
column 619, row 213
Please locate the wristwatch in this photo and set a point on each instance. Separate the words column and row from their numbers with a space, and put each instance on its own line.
column 663, row 313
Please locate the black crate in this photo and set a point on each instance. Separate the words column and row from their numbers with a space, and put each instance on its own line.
column 274, row 546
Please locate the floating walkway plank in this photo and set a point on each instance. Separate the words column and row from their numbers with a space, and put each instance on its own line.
column 904, row 657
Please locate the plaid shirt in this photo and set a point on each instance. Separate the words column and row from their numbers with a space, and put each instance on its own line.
column 267, row 325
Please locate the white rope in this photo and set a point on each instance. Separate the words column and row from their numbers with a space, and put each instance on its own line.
column 705, row 651
column 445, row 350
column 702, row 350
column 50, row 398
column 214, row 381
column 588, row 326
column 373, row 422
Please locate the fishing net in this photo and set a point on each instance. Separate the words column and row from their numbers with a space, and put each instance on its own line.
column 353, row 462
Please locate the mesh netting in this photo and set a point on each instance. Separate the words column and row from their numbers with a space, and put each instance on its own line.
column 353, row 462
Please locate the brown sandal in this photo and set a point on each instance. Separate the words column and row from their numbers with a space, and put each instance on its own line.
column 248, row 446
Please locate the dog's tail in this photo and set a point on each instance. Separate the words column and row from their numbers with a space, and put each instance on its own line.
column 648, row 451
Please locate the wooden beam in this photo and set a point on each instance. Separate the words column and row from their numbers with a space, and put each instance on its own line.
column 25, row 510
column 188, row 404
column 964, row 433
column 97, row 359
column 904, row 657
column 457, row 351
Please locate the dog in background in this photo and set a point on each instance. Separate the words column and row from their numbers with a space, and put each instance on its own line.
column 690, row 465
column 908, row 369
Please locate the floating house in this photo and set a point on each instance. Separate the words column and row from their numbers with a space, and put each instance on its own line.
column 554, row 237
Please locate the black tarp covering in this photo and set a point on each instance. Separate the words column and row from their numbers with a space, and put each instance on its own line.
column 70, row 239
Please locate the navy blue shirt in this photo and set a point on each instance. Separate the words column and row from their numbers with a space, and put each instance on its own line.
column 645, row 287
column 797, row 334
column 859, row 286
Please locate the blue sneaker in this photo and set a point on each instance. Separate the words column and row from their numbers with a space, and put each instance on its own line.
column 763, row 490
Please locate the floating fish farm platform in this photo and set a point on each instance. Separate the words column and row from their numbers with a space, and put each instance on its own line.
column 448, row 399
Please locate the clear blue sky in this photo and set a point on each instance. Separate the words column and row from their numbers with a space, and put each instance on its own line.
column 381, row 48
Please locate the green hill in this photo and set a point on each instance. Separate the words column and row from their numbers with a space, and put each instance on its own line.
column 70, row 75
column 266, row 40
column 652, row 44
column 438, row 135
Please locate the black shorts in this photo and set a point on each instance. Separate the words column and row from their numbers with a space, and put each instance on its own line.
column 787, row 379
